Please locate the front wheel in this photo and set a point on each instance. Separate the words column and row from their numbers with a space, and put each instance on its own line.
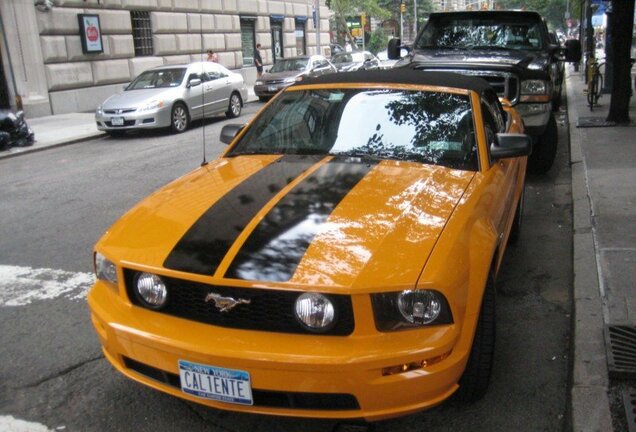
column 234, row 108
column 474, row 382
column 179, row 118
column 544, row 149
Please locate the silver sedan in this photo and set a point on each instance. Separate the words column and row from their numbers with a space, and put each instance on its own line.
column 172, row 96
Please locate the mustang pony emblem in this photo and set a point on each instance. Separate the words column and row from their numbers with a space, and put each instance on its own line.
column 225, row 304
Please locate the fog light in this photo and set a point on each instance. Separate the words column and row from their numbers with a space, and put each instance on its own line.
column 151, row 290
column 315, row 311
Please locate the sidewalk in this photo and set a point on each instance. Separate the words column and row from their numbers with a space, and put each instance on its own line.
column 604, row 206
column 64, row 129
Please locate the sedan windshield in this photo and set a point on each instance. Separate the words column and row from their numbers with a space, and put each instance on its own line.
column 289, row 65
column 420, row 126
column 481, row 33
column 158, row 79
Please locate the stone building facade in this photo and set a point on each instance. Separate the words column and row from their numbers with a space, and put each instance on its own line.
column 45, row 69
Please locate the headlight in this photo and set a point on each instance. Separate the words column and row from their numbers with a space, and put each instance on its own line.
column 290, row 80
column 409, row 309
column 104, row 269
column 150, row 290
column 155, row 104
column 258, row 82
column 534, row 87
column 315, row 311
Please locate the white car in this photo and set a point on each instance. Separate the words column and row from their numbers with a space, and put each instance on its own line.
column 385, row 62
column 172, row 96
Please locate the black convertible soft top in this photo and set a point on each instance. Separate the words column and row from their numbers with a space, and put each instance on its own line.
column 404, row 75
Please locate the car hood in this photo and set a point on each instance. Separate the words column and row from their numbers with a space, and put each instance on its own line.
column 279, row 75
column 135, row 98
column 336, row 224
column 478, row 58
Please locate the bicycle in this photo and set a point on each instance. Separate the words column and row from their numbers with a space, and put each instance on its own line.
column 594, row 82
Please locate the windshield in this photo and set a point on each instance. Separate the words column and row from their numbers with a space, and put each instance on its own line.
column 347, row 57
column 158, row 79
column 420, row 126
column 481, row 33
column 289, row 65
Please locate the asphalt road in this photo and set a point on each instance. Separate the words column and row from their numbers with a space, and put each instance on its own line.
column 55, row 204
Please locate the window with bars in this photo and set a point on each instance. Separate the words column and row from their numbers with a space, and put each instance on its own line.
column 142, row 32
column 248, row 40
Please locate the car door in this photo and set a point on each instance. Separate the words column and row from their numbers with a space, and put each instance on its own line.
column 193, row 95
column 218, row 89
column 505, row 171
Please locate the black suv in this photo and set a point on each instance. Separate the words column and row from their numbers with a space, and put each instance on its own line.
column 511, row 50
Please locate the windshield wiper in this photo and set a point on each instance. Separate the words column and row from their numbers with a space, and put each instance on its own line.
column 489, row 47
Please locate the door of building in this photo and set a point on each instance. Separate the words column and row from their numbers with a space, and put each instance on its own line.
column 277, row 40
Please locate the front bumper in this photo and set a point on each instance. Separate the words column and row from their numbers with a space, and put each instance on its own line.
column 146, row 347
column 268, row 90
column 158, row 118
column 535, row 116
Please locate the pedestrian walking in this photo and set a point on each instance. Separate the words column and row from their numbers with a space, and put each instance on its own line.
column 212, row 56
column 258, row 61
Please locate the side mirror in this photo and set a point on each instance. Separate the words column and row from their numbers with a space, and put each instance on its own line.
column 393, row 50
column 573, row 50
column 510, row 146
column 194, row 82
column 229, row 131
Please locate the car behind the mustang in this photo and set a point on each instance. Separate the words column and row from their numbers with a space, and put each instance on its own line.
column 337, row 261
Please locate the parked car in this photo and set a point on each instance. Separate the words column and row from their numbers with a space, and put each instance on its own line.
column 510, row 49
column 356, row 60
column 14, row 131
column 287, row 71
column 337, row 261
column 336, row 48
column 386, row 62
column 172, row 96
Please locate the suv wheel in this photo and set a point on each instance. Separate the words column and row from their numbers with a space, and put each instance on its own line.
column 544, row 149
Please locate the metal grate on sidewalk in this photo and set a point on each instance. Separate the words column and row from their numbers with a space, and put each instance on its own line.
column 629, row 400
column 620, row 342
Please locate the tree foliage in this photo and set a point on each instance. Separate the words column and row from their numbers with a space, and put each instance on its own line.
column 552, row 10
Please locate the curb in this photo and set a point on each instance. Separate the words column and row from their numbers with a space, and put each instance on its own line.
column 19, row 151
column 590, row 407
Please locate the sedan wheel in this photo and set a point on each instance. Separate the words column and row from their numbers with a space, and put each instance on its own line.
column 234, row 109
column 179, row 118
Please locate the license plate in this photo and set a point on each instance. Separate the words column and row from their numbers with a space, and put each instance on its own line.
column 117, row 121
column 211, row 382
column 272, row 88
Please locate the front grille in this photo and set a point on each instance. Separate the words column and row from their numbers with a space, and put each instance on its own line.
column 126, row 123
column 505, row 84
column 120, row 111
column 268, row 310
column 279, row 81
column 264, row 398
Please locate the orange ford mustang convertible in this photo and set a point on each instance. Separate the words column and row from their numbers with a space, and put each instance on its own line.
column 337, row 261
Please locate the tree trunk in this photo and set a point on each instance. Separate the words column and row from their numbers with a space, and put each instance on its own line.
column 621, row 43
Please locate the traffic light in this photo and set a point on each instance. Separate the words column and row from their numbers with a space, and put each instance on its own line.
column 402, row 7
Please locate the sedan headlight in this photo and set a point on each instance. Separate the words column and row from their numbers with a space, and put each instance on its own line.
column 258, row 82
column 150, row 290
column 155, row 104
column 290, row 80
column 104, row 269
column 315, row 311
column 409, row 309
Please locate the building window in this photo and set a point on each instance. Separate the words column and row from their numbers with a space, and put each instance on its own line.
column 142, row 32
column 301, row 44
column 248, row 40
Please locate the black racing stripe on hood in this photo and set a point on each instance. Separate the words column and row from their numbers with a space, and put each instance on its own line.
column 276, row 246
column 205, row 244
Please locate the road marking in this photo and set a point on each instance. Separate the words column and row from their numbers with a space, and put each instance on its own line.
column 10, row 424
column 20, row 286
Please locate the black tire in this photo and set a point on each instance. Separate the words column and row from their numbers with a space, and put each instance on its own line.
column 474, row 382
column 515, row 231
column 179, row 118
column 544, row 149
column 234, row 107
column 556, row 100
